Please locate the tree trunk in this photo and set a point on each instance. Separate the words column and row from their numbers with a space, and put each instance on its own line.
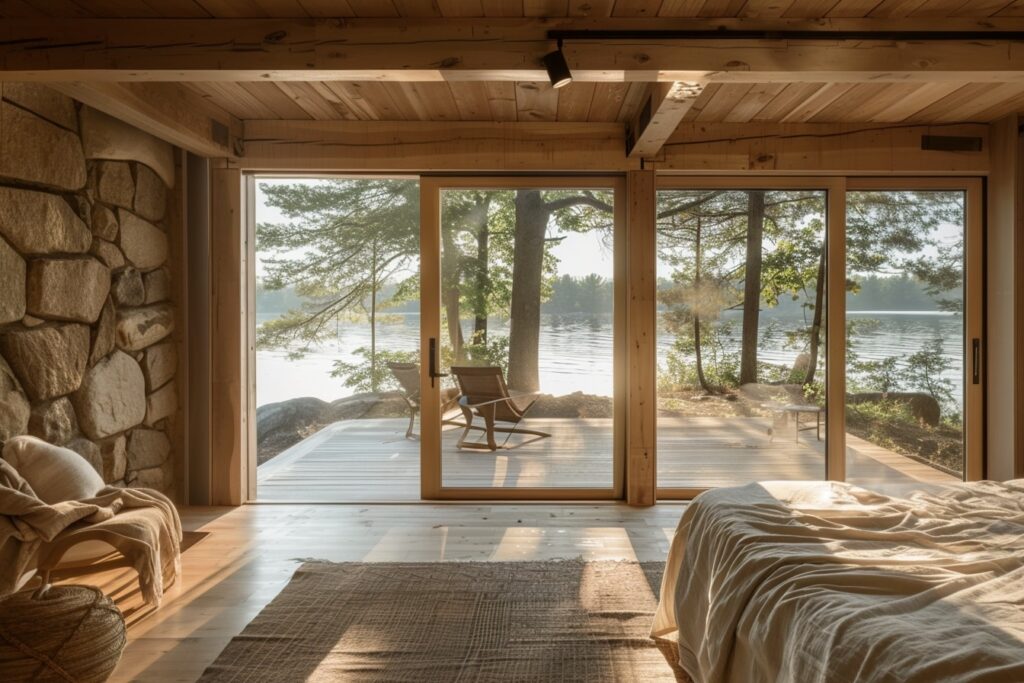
column 450, row 290
column 698, row 359
column 752, row 287
column 819, row 306
column 483, row 284
column 527, row 275
column 373, row 319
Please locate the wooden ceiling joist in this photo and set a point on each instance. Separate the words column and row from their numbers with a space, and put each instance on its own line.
column 663, row 109
column 491, row 50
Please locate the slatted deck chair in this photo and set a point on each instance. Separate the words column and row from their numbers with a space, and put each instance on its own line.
column 485, row 394
column 408, row 376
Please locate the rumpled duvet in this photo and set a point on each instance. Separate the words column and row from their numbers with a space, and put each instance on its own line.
column 825, row 581
column 141, row 524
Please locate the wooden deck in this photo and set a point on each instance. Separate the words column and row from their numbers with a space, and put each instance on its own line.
column 370, row 460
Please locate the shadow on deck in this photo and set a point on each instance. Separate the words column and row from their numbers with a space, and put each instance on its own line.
column 370, row 460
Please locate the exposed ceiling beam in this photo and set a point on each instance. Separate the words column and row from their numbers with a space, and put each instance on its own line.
column 485, row 50
column 433, row 145
column 660, row 114
column 167, row 110
column 819, row 149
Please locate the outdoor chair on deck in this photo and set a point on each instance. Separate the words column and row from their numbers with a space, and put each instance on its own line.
column 485, row 393
column 408, row 376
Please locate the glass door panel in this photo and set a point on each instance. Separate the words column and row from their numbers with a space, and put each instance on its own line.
column 907, row 345
column 337, row 320
column 527, row 337
column 740, row 336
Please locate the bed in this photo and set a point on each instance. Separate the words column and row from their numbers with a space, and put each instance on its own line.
column 824, row 581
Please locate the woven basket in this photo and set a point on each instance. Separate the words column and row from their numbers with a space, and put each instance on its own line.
column 71, row 633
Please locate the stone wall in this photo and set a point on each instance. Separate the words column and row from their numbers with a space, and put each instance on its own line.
column 87, row 355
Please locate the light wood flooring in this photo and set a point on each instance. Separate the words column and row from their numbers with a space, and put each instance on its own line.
column 249, row 554
column 370, row 460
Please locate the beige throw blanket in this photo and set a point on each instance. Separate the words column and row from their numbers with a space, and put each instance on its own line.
column 142, row 524
column 816, row 582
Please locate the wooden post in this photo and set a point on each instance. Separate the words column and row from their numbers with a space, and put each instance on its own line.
column 1005, row 286
column 228, row 359
column 177, row 228
column 641, row 412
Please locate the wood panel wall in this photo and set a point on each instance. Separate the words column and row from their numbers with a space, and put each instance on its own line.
column 197, row 291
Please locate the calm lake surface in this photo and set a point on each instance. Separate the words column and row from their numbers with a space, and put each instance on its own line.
column 576, row 350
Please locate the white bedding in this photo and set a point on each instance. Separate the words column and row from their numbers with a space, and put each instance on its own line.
column 821, row 581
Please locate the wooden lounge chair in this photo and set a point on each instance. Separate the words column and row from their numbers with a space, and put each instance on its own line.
column 408, row 376
column 485, row 393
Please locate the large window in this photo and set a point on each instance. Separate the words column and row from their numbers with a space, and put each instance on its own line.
column 483, row 337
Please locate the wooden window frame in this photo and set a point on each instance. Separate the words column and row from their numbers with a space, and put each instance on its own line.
column 634, row 453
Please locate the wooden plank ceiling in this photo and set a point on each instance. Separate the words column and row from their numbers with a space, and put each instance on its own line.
column 798, row 9
column 939, row 102
column 928, row 102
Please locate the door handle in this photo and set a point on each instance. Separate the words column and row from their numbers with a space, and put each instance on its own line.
column 432, row 367
column 975, row 361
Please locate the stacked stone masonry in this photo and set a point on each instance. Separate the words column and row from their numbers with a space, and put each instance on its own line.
column 87, row 356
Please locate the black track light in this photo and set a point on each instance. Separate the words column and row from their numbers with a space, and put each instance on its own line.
column 557, row 68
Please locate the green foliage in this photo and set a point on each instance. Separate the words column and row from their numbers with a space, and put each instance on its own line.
column 342, row 241
column 885, row 412
column 588, row 294
column 883, row 375
column 369, row 375
column 490, row 351
column 901, row 254
column 721, row 366
column 925, row 371
column 901, row 292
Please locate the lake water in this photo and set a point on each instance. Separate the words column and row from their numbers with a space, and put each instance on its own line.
column 576, row 350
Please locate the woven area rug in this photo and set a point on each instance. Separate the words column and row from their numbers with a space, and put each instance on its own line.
column 455, row 621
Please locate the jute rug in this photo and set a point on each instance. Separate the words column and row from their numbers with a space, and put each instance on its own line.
column 454, row 621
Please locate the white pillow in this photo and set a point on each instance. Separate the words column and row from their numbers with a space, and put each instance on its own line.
column 56, row 474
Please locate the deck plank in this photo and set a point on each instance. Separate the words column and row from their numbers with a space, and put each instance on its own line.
column 370, row 460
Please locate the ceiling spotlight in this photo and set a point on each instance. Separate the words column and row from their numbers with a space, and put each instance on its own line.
column 557, row 68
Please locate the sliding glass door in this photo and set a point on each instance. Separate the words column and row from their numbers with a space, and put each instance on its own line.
column 815, row 329
column 741, row 333
column 521, row 348
column 804, row 328
column 913, row 331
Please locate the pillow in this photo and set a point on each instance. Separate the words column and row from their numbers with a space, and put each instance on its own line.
column 56, row 474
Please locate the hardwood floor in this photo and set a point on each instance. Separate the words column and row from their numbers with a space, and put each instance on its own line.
column 241, row 558
column 370, row 460
column 248, row 555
